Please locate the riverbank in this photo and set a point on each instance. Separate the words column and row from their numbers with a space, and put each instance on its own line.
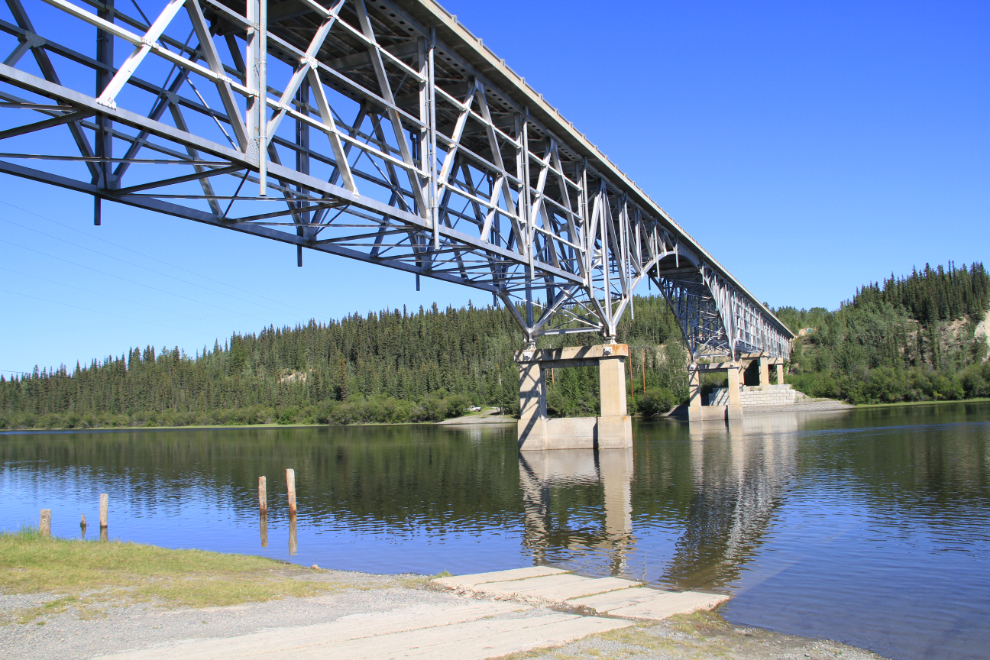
column 486, row 417
column 78, row 599
column 902, row 404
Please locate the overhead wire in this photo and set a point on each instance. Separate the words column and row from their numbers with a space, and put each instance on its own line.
column 131, row 263
column 100, row 293
column 129, row 281
column 90, row 309
column 161, row 261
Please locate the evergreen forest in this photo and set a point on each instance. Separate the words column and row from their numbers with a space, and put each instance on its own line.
column 917, row 338
column 912, row 338
column 386, row 367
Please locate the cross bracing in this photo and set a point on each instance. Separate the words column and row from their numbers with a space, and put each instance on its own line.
column 377, row 130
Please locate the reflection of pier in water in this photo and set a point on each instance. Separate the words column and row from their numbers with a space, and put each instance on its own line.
column 740, row 475
column 611, row 468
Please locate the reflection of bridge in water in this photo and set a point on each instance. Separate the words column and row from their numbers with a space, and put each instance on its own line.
column 739, row 476
column 609, row 468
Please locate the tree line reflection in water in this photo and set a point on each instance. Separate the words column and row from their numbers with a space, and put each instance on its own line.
column 712, row 490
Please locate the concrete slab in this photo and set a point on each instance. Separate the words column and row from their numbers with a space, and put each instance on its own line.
column 363, row 628
column 554, row 588
column 603, row 603
column 424, row 642
column 588, row 587
column 669, row 603
column 500, row 643
column 615, row 597
column 468, row 581
column 356, row 638
column 527, row 588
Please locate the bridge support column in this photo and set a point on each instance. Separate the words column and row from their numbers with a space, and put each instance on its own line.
column 532, row 424
column 764, row 370
column 695, row 412
column 734, row 408
column 612, row 429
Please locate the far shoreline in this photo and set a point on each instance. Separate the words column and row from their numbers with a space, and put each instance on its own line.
column 452, row 421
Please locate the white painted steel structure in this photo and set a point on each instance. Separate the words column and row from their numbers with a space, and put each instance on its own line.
column 379, row 130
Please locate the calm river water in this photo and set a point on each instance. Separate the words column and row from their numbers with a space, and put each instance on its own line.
column 870, row 527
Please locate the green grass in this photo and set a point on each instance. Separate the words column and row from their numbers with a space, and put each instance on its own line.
column 86, row 573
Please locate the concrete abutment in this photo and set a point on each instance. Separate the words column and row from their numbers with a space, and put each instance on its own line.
column 728, row 406
column 612, row 429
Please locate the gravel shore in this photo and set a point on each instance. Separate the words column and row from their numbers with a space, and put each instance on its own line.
column 95, row 628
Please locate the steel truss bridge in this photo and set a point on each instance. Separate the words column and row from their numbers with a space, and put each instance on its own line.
column 378, row 130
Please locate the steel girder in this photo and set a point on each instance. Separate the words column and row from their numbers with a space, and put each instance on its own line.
column 379, row 130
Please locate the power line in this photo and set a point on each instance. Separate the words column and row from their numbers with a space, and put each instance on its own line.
column 100, row 293
column 130, row 263
column 89, row 309
column 95, row 270
column 161, row 261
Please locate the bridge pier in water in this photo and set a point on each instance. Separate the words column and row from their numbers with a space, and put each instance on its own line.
column 752, row 367
column 732, row 409
column 611, row 429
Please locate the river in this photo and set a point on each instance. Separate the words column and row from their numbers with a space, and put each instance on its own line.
column 870, row 527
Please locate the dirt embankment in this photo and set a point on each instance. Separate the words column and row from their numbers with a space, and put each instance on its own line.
column 983, row 330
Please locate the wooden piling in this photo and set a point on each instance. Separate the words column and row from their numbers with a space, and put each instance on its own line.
column 46, row 522
column 263, row 529
column 82, row 523
column 290, row 484
column 263, row 496
column 293, row 544
column 104, row 508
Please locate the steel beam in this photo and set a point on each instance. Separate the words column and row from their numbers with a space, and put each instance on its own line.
column 441, row 160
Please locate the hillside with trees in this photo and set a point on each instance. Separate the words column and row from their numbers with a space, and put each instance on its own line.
column 390, row 366
column 905, row 339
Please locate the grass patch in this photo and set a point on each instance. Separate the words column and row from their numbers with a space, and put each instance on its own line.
column 83, row 574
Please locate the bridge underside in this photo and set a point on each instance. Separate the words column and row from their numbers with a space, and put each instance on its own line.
column 381, row 131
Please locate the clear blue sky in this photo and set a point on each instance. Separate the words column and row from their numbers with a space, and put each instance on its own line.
column 811, row 147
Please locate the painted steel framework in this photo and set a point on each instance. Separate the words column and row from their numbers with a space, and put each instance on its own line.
column 379, row 130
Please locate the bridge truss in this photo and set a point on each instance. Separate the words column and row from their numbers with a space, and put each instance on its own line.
column 378, row 130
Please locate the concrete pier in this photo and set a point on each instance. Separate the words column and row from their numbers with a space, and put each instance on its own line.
column 731, row 409
column 612, row 429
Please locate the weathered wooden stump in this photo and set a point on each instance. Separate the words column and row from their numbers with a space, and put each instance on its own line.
column 263, row 495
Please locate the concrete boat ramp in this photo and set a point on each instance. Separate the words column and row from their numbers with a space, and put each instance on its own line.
column 487, row 615
column 558, row 589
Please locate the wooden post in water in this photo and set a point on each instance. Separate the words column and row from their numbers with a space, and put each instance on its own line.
column 263, row 528
column 46, row 522
column 263, row 496
column 104, row 507
column 293, row 546
column 82, row 526
column 290, row 484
